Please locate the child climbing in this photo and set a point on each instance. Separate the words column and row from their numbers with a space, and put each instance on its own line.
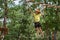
column 37, row 24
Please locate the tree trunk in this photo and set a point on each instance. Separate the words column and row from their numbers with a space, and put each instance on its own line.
column 4, row 22
column 54, row 35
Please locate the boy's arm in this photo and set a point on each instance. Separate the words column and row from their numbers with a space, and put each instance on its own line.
column 32, row 12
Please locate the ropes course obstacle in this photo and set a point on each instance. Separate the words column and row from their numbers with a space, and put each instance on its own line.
column 44, row 4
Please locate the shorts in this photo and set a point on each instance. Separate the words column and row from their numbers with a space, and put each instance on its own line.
column 37, row 24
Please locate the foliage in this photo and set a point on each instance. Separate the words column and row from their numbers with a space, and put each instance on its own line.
column 21, row 21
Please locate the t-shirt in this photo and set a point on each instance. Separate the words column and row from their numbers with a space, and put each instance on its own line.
column 36, row 17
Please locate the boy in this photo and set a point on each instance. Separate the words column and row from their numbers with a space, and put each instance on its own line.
column 38, row 26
